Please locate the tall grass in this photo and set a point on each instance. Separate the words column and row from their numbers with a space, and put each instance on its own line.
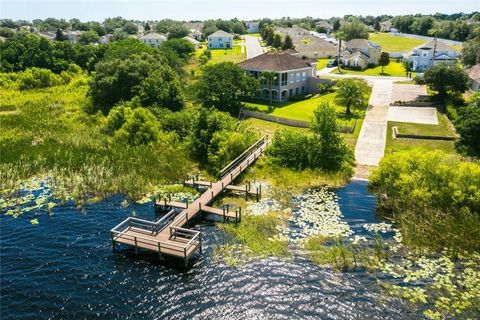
column 49, row 134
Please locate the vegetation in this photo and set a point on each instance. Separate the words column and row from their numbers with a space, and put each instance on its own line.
column 256, row 237
column 323, row 149
column 352, row 93
column 393, row 43
column 221, row 85
column 384, row 60
column 394, row 69
column 446, row 78
column 354, row 30
column 434, row 198
column 468, row 126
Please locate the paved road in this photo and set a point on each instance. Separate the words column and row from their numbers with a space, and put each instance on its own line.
column 371, row 141
column 253, row 47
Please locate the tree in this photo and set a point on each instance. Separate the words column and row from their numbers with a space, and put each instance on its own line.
column 355, row 30
column 161, row 88
column 88, row 37
column 119, row 35
column 446, row 77
column 468, row 124
column 140, row 127
column 121, row 79
column 288, row 43
column 352, row 93
column 471, row 52
column 340, row 36
column 331, row 152
column 130, row 28
column 336, row 25
column 384, row 60
column 269, row 77
column 177, row 31
column 377, row 26
column 59, row 36
column 277, row 41
column 6, row 32
column 180, row 46
column 220, row 86
column 122, row 49
column 147, row 27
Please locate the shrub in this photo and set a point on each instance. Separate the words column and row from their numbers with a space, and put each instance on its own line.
column 139, row 126
column 325, row 87
column 468, row 126
column 434, row 197
column 38, row 78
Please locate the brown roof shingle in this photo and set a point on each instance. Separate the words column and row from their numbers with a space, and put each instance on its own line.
column 275, row 61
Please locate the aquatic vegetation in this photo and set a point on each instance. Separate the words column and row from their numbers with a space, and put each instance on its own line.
column 317, row 213
column 253, row 237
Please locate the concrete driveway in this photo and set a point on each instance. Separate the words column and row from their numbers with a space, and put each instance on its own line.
column 370, row 145
column 253, row 47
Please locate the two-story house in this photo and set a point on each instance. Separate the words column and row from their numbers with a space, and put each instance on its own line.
column 361, row 53
column 293, row 75
column 422, row 56
column 153, row 39
column 220, row 40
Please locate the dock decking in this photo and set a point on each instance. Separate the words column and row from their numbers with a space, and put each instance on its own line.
column 170, row 234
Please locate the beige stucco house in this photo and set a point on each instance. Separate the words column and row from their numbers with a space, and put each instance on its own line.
column 153, row 39
column 294, row 75
column 474, row 75
column 360, row 53
column 220, row 40
column 314, row 48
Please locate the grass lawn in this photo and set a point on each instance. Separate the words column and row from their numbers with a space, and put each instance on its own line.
column 303, row 110
column 233, row 55
column 322, row 63
column 266, row 127
column 256, row 35
column 394, row 69
column 442, row 129
column 391, row 43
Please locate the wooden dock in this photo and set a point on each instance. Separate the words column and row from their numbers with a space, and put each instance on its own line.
column 170, row 235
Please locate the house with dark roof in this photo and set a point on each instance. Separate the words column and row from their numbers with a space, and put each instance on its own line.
column 422, row 57
column 220, row 40
column 294, row 75
column 474, row 75
column 360, row 53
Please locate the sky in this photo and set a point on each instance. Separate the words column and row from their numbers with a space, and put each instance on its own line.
column 88, row 10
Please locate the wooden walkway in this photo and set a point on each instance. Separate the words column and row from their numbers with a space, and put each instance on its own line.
column 170, row 235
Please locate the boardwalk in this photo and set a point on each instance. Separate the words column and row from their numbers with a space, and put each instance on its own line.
column 170, row 235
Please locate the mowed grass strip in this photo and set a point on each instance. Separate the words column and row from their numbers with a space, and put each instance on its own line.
column 394, row 69
column 391, row 43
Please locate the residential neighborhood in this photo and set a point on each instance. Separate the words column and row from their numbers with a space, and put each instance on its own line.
column 240, row 160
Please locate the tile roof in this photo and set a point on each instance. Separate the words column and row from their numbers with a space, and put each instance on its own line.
column 153, row 35
column 441, row 46
column 275, row 61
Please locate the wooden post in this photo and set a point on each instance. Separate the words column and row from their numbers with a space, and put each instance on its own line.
column 257, row 193
column 246, row 192
column 212, row 195
column 239, row 214
column 186, row 203
column 222, row 186
column 211, row 184
column 136, row 247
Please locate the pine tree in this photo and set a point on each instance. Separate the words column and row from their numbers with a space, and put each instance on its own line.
column 59, row 36
column 288, row 43
column 277, row 41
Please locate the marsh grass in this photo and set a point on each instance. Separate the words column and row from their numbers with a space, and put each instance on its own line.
column 50, row 135
column 253, row 237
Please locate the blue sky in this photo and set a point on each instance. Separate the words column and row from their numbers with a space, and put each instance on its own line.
column 205, row 9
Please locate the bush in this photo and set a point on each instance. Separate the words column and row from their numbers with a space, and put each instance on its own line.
column 325, row 87
column 468, row 126
column 38, row 78
column 433, row 196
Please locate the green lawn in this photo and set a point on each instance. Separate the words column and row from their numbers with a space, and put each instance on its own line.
column 257, row 35
column 391, row 43
column 322, row 63
column 394, row 69
column 233, row 55
column 442, row 129
column 303, row 110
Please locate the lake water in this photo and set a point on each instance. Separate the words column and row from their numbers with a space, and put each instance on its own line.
column 64, row 268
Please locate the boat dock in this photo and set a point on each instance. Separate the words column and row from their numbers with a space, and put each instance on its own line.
column 170, row 235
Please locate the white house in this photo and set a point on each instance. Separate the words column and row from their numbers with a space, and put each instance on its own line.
column 220, row 40
column 422, row 56
column 196, row 44
column 252, row 26
column 153, row 39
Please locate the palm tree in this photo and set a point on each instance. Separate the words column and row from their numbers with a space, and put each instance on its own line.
column 351, row 93
column 340, row 35
column 434, row 32
column 269, row 77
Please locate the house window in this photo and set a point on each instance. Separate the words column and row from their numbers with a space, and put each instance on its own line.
column 298, row 76
column 424, row 54
column 296, row 90
column 304, row 76
column 219, row 39
column 284, row 79
column 303, row 90
column 290, row 92
column 220, row 45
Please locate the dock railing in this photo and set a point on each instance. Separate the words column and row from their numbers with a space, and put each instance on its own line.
column 153, row 227
column 254, row 147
